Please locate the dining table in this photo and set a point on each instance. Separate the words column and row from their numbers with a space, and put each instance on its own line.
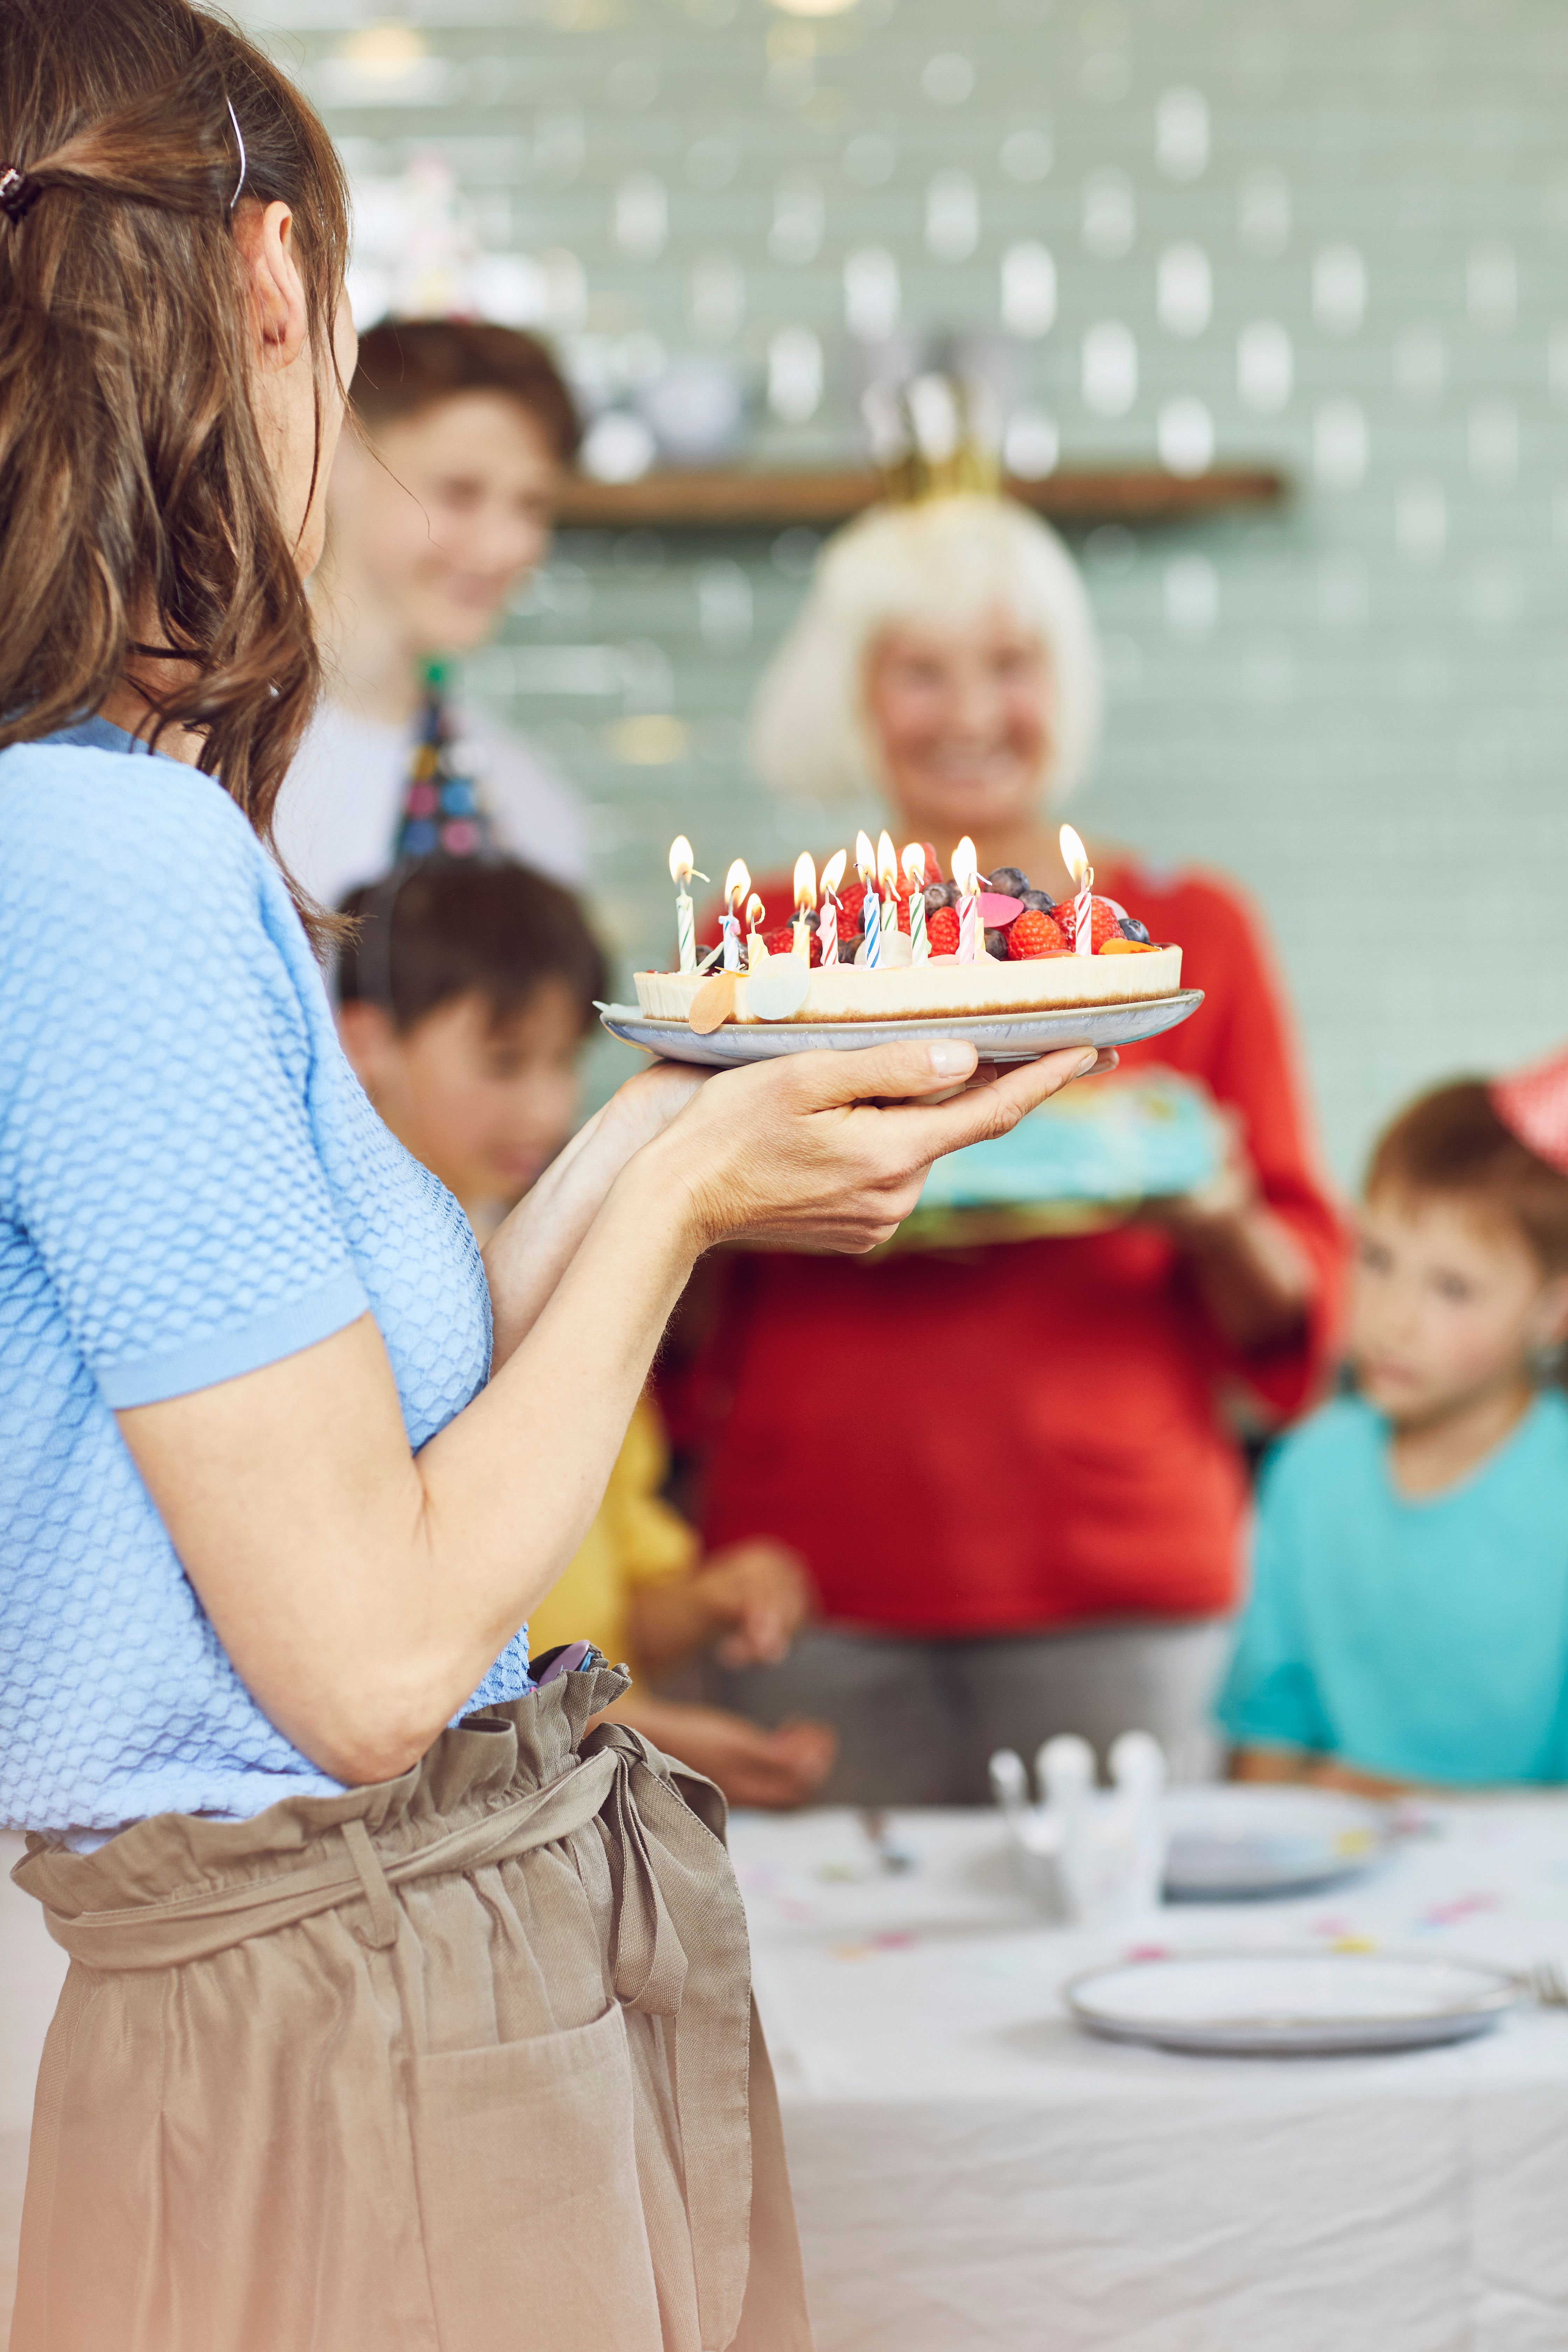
column 972, row 2169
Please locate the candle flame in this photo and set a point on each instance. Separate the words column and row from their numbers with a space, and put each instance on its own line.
column 680, row 859
column 1074, row 856
column 865, row 860
column 737, row 882
column 965, row 867
column 915, row 866
column 887, row 864
column 755, row 910
column 804, row 882
column 833, row 872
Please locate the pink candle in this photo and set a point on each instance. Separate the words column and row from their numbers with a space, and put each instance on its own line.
column 1075, row 857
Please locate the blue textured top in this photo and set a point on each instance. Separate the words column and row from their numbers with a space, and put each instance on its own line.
column 192, row 1185
column 1426, row 1639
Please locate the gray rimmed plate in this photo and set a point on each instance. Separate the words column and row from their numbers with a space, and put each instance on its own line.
column 1241, row 1841
column 1000, row 1037
column 1291, row 2005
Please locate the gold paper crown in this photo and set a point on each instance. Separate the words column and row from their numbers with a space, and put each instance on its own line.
column 932, row 437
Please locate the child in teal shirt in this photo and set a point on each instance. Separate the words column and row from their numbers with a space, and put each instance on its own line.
column 1408, row 1619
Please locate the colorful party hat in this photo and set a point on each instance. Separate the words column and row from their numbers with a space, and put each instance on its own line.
column 1532, row 1104
column 443, row 813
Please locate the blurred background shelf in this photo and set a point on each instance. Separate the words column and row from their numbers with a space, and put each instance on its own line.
column 740, row 499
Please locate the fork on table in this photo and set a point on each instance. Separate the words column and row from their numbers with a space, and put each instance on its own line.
column 1546, row 1982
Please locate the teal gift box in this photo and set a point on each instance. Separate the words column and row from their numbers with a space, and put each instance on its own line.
column 1085, row 1159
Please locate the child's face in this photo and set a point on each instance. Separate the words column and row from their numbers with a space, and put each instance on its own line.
column 436, row 526
column 1447, row 1304
column 484, row 1108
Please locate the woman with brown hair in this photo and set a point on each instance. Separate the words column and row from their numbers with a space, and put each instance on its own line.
column 404, row 2009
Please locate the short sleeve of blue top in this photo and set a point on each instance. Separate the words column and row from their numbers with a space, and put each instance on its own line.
column 191, row 1185
column 1426, row 1639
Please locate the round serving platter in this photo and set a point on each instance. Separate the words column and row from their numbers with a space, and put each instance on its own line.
column 997, row 1037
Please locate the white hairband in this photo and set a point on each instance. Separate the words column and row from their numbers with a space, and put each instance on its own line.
column 239, row 139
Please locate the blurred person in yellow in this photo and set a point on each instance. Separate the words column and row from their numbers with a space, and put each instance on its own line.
column 463, row 999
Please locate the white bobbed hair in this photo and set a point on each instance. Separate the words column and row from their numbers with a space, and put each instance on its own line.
column 946, row 562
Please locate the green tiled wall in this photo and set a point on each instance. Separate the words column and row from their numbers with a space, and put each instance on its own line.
column 1357, row 706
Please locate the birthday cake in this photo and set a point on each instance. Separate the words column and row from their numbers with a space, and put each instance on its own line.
column 906, row 943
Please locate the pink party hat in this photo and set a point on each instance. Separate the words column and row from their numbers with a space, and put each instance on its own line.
column 1532, row 1104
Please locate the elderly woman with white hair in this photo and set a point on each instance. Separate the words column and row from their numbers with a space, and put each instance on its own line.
column 1013, row 1469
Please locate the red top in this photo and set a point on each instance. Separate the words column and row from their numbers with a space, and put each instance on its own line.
column 1029, row 1433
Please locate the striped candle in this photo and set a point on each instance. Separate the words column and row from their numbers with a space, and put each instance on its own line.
column 827, row 912
column 966, row 874
column 865, row 866
column 915, row 874
column 1075, row 857
column 887, row 891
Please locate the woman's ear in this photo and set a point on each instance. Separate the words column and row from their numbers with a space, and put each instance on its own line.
column 264, row 236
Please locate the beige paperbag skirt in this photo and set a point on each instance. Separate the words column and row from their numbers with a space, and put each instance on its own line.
column 467, row 2058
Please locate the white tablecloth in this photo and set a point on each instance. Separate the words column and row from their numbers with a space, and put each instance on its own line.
column 971, row 2171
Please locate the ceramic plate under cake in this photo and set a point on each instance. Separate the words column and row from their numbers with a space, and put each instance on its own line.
column 1005, row 1037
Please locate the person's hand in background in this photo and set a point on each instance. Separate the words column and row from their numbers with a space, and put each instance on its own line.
column 752, row 1599
column 1256, row 1279
column 776, row 1769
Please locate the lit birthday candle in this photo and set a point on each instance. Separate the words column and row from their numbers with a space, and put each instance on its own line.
column 866, row 867
column 805, row 901
column 681, row 872
column 737, row 882
column 828, row 911
column 887, row 886
column 915, row 874
column 756, row 946
column 1075, row 857
column 966, row 874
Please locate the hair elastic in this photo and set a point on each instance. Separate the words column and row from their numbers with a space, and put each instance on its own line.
column 239, row 141
column 18, row 191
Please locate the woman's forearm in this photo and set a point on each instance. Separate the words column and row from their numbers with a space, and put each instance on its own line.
column 526, row 1256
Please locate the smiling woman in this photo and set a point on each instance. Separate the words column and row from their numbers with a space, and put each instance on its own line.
column 1065, row 1452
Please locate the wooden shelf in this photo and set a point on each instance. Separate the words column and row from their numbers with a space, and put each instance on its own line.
column 735, row 499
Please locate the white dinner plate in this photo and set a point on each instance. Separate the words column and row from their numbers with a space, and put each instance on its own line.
column 1000, row 1037
column 1238, row 1842
column 1291, row 2005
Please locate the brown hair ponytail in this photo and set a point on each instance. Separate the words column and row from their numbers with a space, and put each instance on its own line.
column 137, row 511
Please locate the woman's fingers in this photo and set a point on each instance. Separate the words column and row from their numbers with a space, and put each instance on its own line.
column 905, row 1069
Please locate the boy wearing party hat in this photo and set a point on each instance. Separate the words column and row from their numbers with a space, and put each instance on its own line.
column 1408, row 1622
